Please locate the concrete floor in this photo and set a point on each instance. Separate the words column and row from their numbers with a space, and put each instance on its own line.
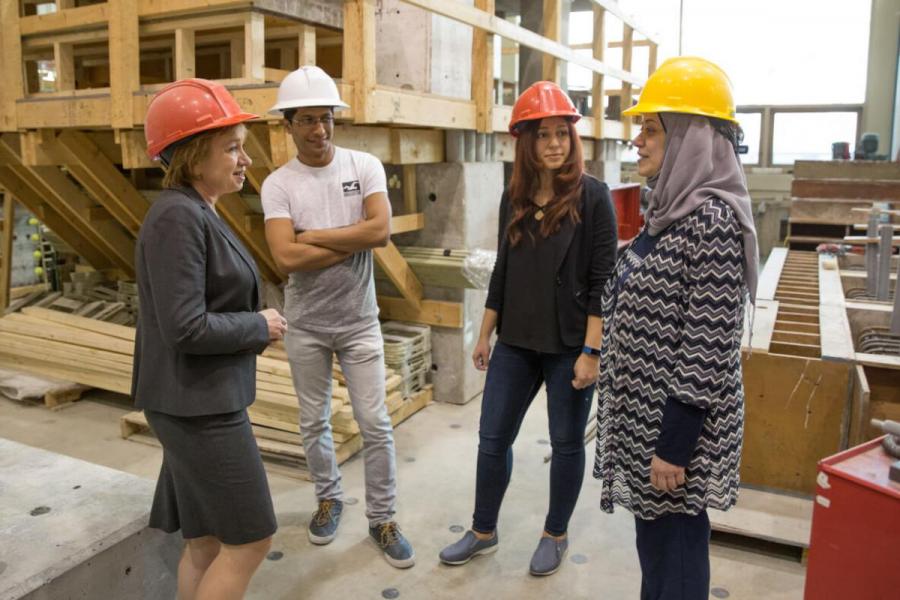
column 436, row 451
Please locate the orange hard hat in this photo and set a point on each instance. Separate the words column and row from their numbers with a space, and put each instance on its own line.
column 541, row 100
column 187, row 107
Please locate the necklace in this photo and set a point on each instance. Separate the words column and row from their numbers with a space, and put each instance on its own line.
column 539, row 214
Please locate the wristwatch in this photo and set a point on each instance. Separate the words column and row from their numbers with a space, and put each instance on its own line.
column 591, row 351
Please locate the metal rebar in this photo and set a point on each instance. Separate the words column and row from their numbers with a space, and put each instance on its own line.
column 884, row 263
column 872, row 255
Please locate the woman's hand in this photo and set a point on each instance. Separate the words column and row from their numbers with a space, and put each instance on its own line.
column 587, row 370
column 482, row 354
column 276, row 323
column 665, row 476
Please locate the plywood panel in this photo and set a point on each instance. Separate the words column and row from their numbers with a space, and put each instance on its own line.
column 794, row 416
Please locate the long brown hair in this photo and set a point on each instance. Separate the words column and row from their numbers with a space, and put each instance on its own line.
column 525, row 178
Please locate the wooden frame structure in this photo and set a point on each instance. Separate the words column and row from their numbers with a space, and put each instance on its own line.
column 73, row 154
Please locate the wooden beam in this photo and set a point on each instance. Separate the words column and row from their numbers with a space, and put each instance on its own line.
column 414, row 146
column 407, row 223
column 238, row 215
column 66, row 199
column 490, row 23
column 403, row 107
column 306, row 45
column 628, row 38
column 134, row 149
column 14, row 184
column 258, row 147
column 359, row 57
column 552, row 31
column 400, row 274
column 598, row 95
column 11, row 67
column 84, row 17
column 105, row 182
column 483, row 73
column 236, row 57
column 432, row 312
column 185, row 66
column 6, row 247
column 280, row 144
column 255, row 46
column 64, row 60
column 124, row 61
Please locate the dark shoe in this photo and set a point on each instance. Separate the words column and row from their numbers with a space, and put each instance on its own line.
column 468, row 548
column 548, row 557
column 324, row 523
column 397, row 550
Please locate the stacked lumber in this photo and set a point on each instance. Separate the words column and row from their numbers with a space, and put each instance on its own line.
column 434, row 266
column 407, row 350
column 99, row 354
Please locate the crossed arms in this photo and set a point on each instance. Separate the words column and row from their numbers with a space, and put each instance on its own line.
column 321, row 248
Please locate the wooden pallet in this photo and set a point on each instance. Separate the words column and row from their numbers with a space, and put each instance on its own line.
column 64, row 396
column 778, row 519
column 282, row 451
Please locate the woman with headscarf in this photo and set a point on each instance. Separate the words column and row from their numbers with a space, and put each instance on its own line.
column 199, row 331
column 670, row 418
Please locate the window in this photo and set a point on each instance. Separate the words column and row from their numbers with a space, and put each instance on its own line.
column 809, row 135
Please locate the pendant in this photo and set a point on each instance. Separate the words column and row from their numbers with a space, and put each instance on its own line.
column 539, row 214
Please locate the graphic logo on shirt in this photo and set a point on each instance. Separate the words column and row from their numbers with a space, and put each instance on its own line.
column 350, row 187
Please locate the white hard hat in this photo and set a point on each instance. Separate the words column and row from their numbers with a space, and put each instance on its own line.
column 307, row 86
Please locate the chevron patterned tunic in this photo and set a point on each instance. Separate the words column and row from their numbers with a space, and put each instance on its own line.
column 673, row 330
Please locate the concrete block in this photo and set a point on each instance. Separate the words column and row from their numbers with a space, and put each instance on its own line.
column 605, row 170
column 422, row 51
column 72, row 529
column 460, row 202
column 455, row 378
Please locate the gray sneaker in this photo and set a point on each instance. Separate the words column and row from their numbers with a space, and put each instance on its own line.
column 324, row 523
column 548, row 556
column 397, row 549
column 468, row 548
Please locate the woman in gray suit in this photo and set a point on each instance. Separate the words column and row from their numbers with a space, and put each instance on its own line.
column 198, row 335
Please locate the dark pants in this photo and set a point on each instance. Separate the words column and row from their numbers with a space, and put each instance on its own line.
column 674, row 555
column 513, row 379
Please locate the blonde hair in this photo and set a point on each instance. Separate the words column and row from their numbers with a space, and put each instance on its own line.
column 187, row 156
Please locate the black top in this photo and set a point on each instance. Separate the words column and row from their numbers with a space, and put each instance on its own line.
column 583, row 257
column 529, row 317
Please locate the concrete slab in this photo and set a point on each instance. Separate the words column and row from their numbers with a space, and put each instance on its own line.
column 436, row 451
column 74, row 529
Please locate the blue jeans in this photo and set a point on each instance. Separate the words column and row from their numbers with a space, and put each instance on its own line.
column 514, row 377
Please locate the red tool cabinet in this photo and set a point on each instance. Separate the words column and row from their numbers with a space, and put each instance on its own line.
column 854, row 550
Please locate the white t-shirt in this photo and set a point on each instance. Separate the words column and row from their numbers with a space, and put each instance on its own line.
column 342, row 296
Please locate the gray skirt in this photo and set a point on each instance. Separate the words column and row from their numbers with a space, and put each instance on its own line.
column 212, row 481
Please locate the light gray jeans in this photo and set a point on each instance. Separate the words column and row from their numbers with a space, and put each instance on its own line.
column 361, row 355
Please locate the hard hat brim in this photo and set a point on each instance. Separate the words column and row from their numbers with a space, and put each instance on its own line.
column 157, row 149
column 643, row 108
column 280, row 107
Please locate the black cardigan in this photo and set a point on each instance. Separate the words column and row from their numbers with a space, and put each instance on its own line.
column 589, row 257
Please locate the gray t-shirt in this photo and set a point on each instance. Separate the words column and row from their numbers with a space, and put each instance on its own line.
column 340, row 297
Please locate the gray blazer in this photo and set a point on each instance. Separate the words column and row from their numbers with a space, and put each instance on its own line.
column 198, row 332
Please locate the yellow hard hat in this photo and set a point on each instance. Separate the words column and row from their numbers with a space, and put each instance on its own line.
column 687, row 84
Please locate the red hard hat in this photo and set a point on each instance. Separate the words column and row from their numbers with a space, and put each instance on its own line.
column 541, row 100
column 186, row 107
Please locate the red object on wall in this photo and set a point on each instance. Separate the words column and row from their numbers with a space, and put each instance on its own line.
column 853, row 550
column 627, row 200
